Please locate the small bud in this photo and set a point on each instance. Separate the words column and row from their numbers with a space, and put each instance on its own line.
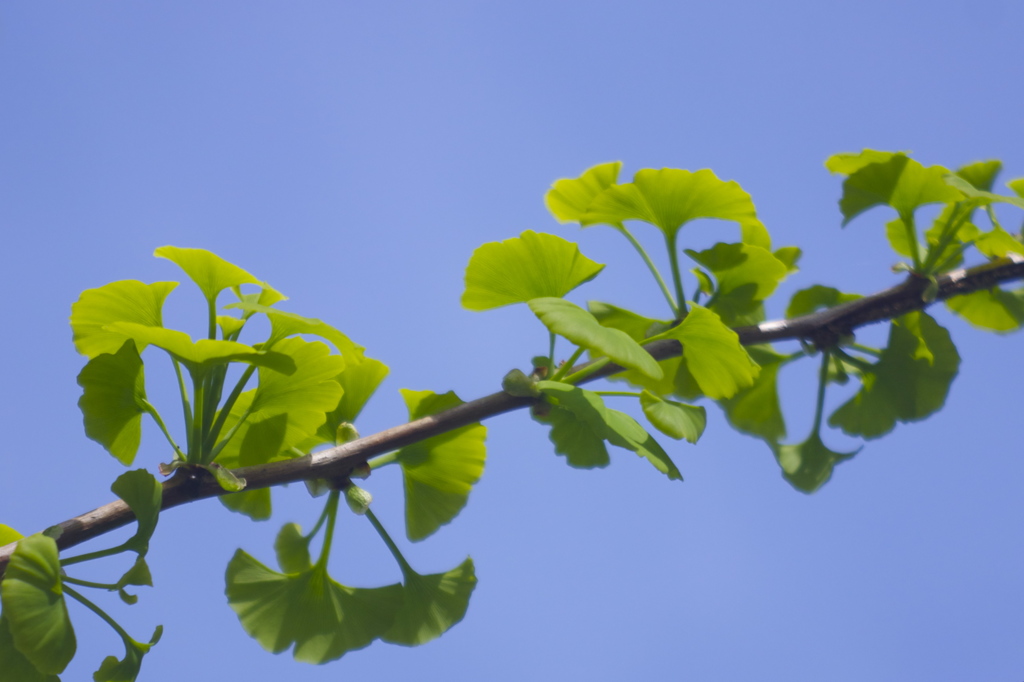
column 346, row 433
column 518, row 384
column 358, row 499
column 931, row 291
column 317, row 486
column 361, row 471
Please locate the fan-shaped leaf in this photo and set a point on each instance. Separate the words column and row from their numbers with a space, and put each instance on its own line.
column 756, row 409
column 127, row 669
column 16, row 667
column 142, row 493
column 995, row 309
column 114, row 400
column 431, row 604
column 807, row 301
column 529, row 266
column 900, row 182
column 677, row 420
column 569, row 198
column 746, row 275
column 440, row 471
column 124, row 301
column 284, row 324
column 209, row 271
column 808, row 465
column 577, row 325
column 575, row 437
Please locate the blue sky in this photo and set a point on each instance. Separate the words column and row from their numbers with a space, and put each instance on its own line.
column 354, row 155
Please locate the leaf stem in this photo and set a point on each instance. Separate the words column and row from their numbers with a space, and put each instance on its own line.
column 383, row 460
column 395, row 552
column 623, row 394
column 551, row 354
column 319, row 523
column 186, row 406
column 915, row 250
column 652, row 267
column 826, row 355
column 677, row 278
column 90, row 556
column 331, row 511
column 151, row 410
column 586, row 371
column 225, row 410
column 568, row 364
column 86, row 583
column 196, row 446
column 954, row 222
column 74, row 594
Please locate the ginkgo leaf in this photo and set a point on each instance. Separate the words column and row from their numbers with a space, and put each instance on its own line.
column 209, row 271
column 292, row 549
column 981, row 197
column 431, row 604
column 995, row 309
column 899, row 182
column 575, row 437
column 811, row 299
column 981, row 174
column 808, row 465
column 669, row 198
column 114, row 400
column 577, row 325
column 713, row 355
column 569, row 198
column 745, row 276
column 256, row 503
column 626, row 432
column 33, row 605
column 124, row 301
column 756, row 409
column 909, row 382
column 676, row 420
column 359, row 381
column 199, row 356
column 532, row 265
column 637, row 326
column 16, row 667
column 284, row 324
column 998, row 243
column 143, row 494
column 321, row 618
column 847, row 163
column 127, row 669
column 8, row 535
column 438, row 472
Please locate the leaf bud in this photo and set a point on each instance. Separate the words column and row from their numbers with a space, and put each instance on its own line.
column 345, row 433
column 358, row 499
column 518, row 384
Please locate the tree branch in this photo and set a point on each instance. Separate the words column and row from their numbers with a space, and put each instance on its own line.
column 821, row 328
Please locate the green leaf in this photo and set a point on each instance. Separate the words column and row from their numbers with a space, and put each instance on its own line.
column 114, row 400
column 817, row 297
column 981, row 197
column 756, row 409
column 899, row 239
column 128, row 668
column 124, row 301
column 199, row 356
column 292, row 549
column 574, row 437
column 225, row 477
column 431, row 604
column 8, row 535
column 16, row 667
column 849, row 163
column 255, row 503
column 669, row 198
column 909, row 382
column 635, row 325
column 143, row 494
column 1017, row 185
column 284, row 324
column 526, row 267
column 808, row 465
column 284, row 410
column 899, row 182
column 746, row 275
column 998, row 243
column 790, row 256
column 440, row 471
column 229, row 325
column 209, row 271
column 616, row 427
column 713, row 354
column 577, row 325
column 359, row 379
column 138, row 575
column 323, row 619
column 34, row 607
column 677, row 420
column 995, row 309
column 981, row 174
column 569, row 198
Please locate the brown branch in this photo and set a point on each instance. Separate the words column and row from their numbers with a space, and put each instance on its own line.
column 820, row 328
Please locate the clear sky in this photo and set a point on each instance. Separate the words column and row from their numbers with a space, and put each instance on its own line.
column 353, row 154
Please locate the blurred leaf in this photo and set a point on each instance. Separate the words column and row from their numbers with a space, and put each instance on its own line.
column 981, row 197
column 128, row 668
column 998, row 243
column 808, row 465
column 526, row 267
column 439, row 472
column 746, row 275
column 143, row 494
column 670, row 198
column 322, row 619
column 756, row 410
column 114, row 400
column 909, row 382
column 33, row 605
column 124, row 301
column 8, row 535
column 981, row 174
column 575, row 437
column 225, row 478
column 229, row 325
column 712, row 354
column 203, row 354
column 1017, row 185
column 677, row 420
column 995, row 309
column 817, row 297
column 580, row 327
column 292, row 549
column 569, row 198
column 899, row 182
column 848, row 163
column 16, row 667
column 209, row 271
column 896, row 233
column 790, row 256
column 255, row 503
column 431, row 604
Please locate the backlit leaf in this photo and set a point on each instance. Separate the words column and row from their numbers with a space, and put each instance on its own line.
column 812, row 299
column 848, row 163
column 256, row 503
column 756, row 409
column 284, row 324
column 124, row 301
column 431, row 604
column 808, row 465
column 114, row 400
column 626, row 432
column 900, row 182
column 635, row 325
column 677, row 420
column 529, row 266
column 995, row 309
column 209, row 271
column 126, row 669
column 438, row 472
column 569, row 198
column 34, row 607
column 321, row 618
column 16, row 667
column 292, row 549
column 745, row 276
column 577, row 325
column 909, row 382
column 143, row 494
column 575, row 437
